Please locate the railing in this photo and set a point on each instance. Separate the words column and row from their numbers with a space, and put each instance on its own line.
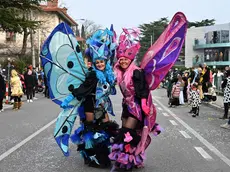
column 217, row 83
column 202, row 43
column 198, row 60
column 201, row 59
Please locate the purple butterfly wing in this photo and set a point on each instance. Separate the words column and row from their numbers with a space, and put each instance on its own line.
column 162, row 55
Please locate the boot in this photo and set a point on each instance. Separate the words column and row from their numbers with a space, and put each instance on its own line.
column 225, row 111
column 224, row 117
column 19, row 105
column 15, row 107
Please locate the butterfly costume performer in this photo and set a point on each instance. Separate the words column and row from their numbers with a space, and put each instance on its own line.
column 138, row 111
column 81, row 91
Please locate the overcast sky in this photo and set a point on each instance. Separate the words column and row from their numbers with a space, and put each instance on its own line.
column 131, row 13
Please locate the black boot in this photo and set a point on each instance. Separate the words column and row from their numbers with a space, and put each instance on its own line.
column 224, row 117
column 225, row 111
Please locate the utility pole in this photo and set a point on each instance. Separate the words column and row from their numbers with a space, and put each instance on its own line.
column 39, row 49
column 32, row 42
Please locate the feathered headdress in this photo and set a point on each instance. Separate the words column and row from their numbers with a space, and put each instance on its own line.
column 129, row 44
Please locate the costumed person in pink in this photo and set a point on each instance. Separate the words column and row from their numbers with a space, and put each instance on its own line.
column 129, row 146
column 138, row 112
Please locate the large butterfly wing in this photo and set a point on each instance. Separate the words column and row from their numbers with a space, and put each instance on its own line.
column 162, row 55
column 63, row 63
column 63, row 128
column 65, row 70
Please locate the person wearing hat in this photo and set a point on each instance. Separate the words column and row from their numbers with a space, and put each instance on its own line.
column 133, row 138
column 16, row 89
column 93, row 136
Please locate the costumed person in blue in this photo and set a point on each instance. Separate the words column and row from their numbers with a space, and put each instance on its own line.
column 93, row 136
column 82, row 91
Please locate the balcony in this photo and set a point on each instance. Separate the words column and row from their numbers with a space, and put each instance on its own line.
column 200, row 60
column 201, row 44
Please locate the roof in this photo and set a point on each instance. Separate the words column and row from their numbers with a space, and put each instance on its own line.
column 61, row 11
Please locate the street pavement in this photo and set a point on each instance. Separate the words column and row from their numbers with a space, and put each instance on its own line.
column 186, row 144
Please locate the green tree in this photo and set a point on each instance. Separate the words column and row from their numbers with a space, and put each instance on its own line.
column 150, row 33
column 206, row 22
column 15, row 16
column 83, row 31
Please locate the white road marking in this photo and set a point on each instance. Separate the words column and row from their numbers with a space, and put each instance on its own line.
column 185, row 135
column 197, row 135
column 165, row 114
column 203, row 153
column 11, row 150
column 159, row 108
column 173, row 122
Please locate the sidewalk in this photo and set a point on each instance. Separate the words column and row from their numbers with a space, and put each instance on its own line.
column 218, row 104
column 24, row 99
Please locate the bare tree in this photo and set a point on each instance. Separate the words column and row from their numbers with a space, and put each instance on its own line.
column 90, row 27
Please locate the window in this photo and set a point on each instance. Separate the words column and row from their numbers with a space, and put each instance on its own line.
column 10, row 37
column 224, row 36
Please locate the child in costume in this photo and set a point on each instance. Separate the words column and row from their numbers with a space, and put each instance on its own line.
column 226, row 86
column 194, row 100
column 93, row 136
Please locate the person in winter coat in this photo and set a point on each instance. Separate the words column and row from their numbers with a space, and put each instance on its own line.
column 2, row 91
column 16, row 89
column 30, row 84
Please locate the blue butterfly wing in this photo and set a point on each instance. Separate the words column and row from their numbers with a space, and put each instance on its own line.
column 63, row 63
column 66, row 120
column 65, row 70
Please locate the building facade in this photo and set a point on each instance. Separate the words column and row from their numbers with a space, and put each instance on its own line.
column 209, row 44
column 50, row 16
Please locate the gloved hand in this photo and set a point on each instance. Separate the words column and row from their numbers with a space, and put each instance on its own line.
column 67, row 100
column 144, row 107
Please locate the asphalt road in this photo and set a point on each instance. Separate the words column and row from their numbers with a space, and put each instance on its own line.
column 186, row 145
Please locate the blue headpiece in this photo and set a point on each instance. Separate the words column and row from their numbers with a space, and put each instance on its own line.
column 99, row 53
column 102, row 44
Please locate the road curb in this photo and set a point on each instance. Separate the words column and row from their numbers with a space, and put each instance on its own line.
column 213, row 106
